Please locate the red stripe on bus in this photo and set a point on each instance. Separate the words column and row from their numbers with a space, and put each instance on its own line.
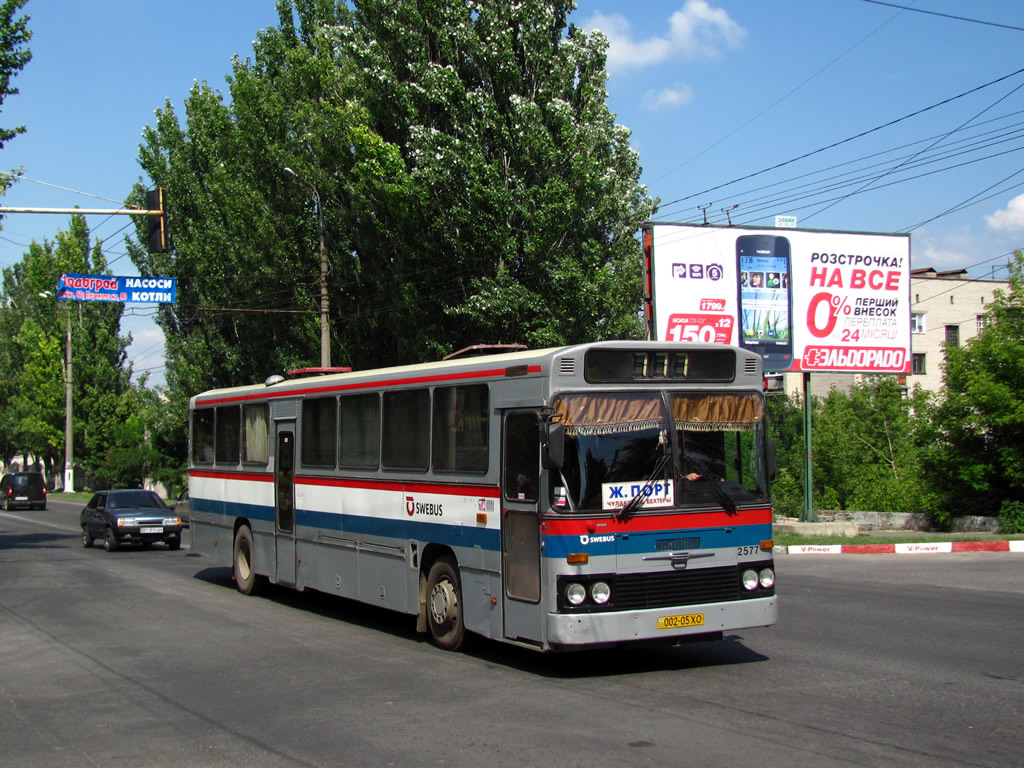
column 490, row 491
column 259, row 477
column 673, row 520
column 493, row 373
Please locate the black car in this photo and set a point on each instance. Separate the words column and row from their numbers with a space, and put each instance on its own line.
column 23, row 489
column 129, row 517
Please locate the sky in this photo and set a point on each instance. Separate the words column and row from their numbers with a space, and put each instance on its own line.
column 851, row 115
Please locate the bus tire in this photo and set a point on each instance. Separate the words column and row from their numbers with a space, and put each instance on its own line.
column 244, row 569
column 444, row 605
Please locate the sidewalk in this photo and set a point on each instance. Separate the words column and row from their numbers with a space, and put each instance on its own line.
column 931, row 542
column 925, row 548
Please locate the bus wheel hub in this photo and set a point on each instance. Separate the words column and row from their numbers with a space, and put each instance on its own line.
column 442, row 602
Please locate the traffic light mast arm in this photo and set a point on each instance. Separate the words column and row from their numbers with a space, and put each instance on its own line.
column 103, row 211
column 156, row 216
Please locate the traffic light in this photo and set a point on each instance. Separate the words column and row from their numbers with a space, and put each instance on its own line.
column 156, row 223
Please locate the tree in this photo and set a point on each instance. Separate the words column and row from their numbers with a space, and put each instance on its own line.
column 32, row 394
column 472, row 182
column 865, row 451
column 14, row 36
column 974, row 461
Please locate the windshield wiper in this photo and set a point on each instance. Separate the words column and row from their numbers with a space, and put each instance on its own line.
column 633, row 503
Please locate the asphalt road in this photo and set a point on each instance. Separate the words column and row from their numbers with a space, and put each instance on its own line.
column 151, row 658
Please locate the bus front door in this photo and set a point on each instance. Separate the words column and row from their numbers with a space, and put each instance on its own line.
column 284, row 503
column 520, row 528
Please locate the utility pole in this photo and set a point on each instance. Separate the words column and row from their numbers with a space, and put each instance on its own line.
column 69, row 441
column 325, row 328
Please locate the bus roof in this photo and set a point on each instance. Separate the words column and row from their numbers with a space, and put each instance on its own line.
column 524, row 363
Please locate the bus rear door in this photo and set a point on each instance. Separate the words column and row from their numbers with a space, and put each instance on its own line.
column 284, row 503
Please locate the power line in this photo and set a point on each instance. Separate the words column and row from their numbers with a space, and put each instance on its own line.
column 945, row 15
column 848, row 139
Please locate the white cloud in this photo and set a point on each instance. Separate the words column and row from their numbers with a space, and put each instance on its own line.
column 697, row 30
column 1010, row 218
column 678, row 96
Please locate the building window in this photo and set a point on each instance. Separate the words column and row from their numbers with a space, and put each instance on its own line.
column 981, row 320
column 917, row 364
column 917, row 322
column 953, row 335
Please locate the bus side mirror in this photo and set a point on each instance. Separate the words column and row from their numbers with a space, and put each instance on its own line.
column 553, row 437
column 773, row 462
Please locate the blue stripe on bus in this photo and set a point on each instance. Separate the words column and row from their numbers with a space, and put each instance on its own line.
column 642, row 543
column 454, row 535
column 490, row 538
column 412, row 530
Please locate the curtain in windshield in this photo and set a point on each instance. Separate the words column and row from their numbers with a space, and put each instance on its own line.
column 609, row 414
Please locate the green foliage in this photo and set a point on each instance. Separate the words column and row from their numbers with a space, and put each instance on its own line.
column 14, row 36
column 1011, row 516
column 472, row 184
column 974, row 460
column 35, row 327
column 865, row 449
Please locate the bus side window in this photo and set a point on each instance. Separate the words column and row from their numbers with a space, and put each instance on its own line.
column 522, row 459
column 202, row 436
column 406, row 430
column 229, row 425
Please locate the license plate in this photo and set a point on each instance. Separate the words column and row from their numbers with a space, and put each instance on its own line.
column 21, row 498
column 151, row 529
column 684, row 620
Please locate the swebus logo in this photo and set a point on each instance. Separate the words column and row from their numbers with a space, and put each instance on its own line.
column 413, row 507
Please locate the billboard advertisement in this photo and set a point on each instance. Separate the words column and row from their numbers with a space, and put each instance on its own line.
column 140, row 290
column 805, row 300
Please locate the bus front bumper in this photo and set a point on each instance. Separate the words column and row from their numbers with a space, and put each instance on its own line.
column 659, row 624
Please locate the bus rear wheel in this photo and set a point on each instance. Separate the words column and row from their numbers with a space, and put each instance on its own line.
column 444, row 605
column 244, row 565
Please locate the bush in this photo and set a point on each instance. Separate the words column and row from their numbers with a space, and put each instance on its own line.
column 1011, row 516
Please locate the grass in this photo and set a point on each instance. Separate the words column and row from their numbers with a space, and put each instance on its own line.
column 912, row 537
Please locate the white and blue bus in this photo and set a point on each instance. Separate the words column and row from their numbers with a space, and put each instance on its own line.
column 585, row 496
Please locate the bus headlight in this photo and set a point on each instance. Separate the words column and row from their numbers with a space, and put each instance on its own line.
column 575, row 594
column 600, row 592
column 750, row 580
column 767, row 578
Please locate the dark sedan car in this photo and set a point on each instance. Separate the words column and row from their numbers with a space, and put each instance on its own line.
column 129, row 517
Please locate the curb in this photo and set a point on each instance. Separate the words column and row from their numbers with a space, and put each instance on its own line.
column 939, row 547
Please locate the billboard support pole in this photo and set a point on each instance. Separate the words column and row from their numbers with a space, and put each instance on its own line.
column 809, row 516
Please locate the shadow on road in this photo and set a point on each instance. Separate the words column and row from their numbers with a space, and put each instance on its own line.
column 626, row 660
column 35, row 540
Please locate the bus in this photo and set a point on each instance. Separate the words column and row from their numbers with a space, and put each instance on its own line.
column 588, row 496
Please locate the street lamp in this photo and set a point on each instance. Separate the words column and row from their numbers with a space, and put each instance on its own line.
column 69, row 443
column 325, row 331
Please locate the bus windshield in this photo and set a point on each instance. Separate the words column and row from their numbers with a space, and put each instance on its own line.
column 678, row 450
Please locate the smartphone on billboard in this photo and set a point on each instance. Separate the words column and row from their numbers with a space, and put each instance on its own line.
column 765, row 299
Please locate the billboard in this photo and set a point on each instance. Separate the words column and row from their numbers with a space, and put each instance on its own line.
column 805, row 300
column 141, row 290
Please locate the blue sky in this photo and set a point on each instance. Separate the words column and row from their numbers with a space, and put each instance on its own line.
column 713, row 90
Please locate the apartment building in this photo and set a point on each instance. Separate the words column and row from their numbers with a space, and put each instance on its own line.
column 946, row 307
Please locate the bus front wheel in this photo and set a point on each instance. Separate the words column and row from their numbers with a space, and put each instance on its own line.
column 245, row 571
column 444, row 605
